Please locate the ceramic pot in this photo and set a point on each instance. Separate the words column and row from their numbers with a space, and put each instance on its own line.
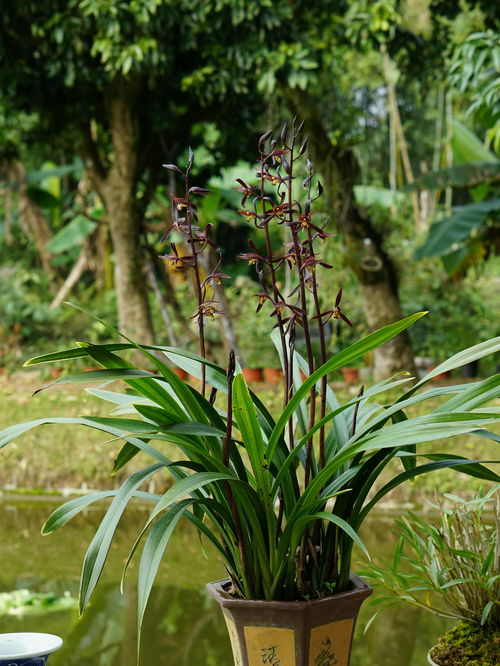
column 273, row 375
column 350, row 375
column 292, row 633
column 27, row 649
column 443, row 376
column 430, row 660
column 252, row 374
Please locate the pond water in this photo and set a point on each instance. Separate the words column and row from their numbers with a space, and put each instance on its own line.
column 182, row 627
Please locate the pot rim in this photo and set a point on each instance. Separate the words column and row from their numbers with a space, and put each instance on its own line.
column 430, row 659
column 39, row 645
column 359, row 589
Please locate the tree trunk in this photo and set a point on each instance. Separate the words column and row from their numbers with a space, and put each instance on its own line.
column 130, row 279
column 364, row 251
column 117, row 189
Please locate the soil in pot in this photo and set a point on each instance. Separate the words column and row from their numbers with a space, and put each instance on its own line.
column 292, row 633
column 467, row 645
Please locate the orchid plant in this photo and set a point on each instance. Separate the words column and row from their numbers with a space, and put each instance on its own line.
column 281, row 499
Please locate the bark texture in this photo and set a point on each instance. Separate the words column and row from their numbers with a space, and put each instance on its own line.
column 364, row 251
column 116, row 186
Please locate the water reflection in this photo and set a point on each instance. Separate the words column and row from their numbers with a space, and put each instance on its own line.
column 183, row 626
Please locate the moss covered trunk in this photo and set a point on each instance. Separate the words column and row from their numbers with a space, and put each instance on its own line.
column 364, row 248
column 116, row 185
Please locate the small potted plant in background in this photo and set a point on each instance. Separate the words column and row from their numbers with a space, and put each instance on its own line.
column 350, row 374
column 252, row 334
column 450, row 568
column 281, row 498
column 273, row 373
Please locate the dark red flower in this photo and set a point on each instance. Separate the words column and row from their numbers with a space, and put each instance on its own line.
column 335, row 312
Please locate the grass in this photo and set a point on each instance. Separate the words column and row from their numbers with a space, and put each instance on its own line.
column 52, row 458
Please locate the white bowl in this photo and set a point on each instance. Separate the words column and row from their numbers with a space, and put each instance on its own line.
column 26, row 645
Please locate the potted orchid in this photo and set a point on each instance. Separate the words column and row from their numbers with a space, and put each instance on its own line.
column 281, row 499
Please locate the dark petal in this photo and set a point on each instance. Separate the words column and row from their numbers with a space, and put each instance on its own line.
column 283, row 134
column 346, row 319
column 244, row 185
column 199, row 190
column 315, row 228
column 172, row 167
column 265, row 137
column 166, row 234
column 303, row 147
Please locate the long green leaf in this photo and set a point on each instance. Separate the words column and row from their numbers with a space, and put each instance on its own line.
column 468, row 355
column 248, row 424
column 151, row 556
column 353, row 352
column 466, row 175
column 98, row 549
column 443, row 461
column 69, row 510
column 445, row 233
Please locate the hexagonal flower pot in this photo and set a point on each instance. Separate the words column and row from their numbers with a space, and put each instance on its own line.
column 292, row 633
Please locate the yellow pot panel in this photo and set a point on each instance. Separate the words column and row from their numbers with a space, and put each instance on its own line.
column 270, row 645
column 330, row 644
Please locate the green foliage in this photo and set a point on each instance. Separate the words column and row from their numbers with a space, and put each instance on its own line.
column 162, row 408
column 475, row 73
column 467, row 147
column 458, row 315
column 251, row 328
column 452, row 568
column 445, row 234
column 23, row 305
column 72, row 234
column 23, row 602
column 467, row 175
column 455, row 237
